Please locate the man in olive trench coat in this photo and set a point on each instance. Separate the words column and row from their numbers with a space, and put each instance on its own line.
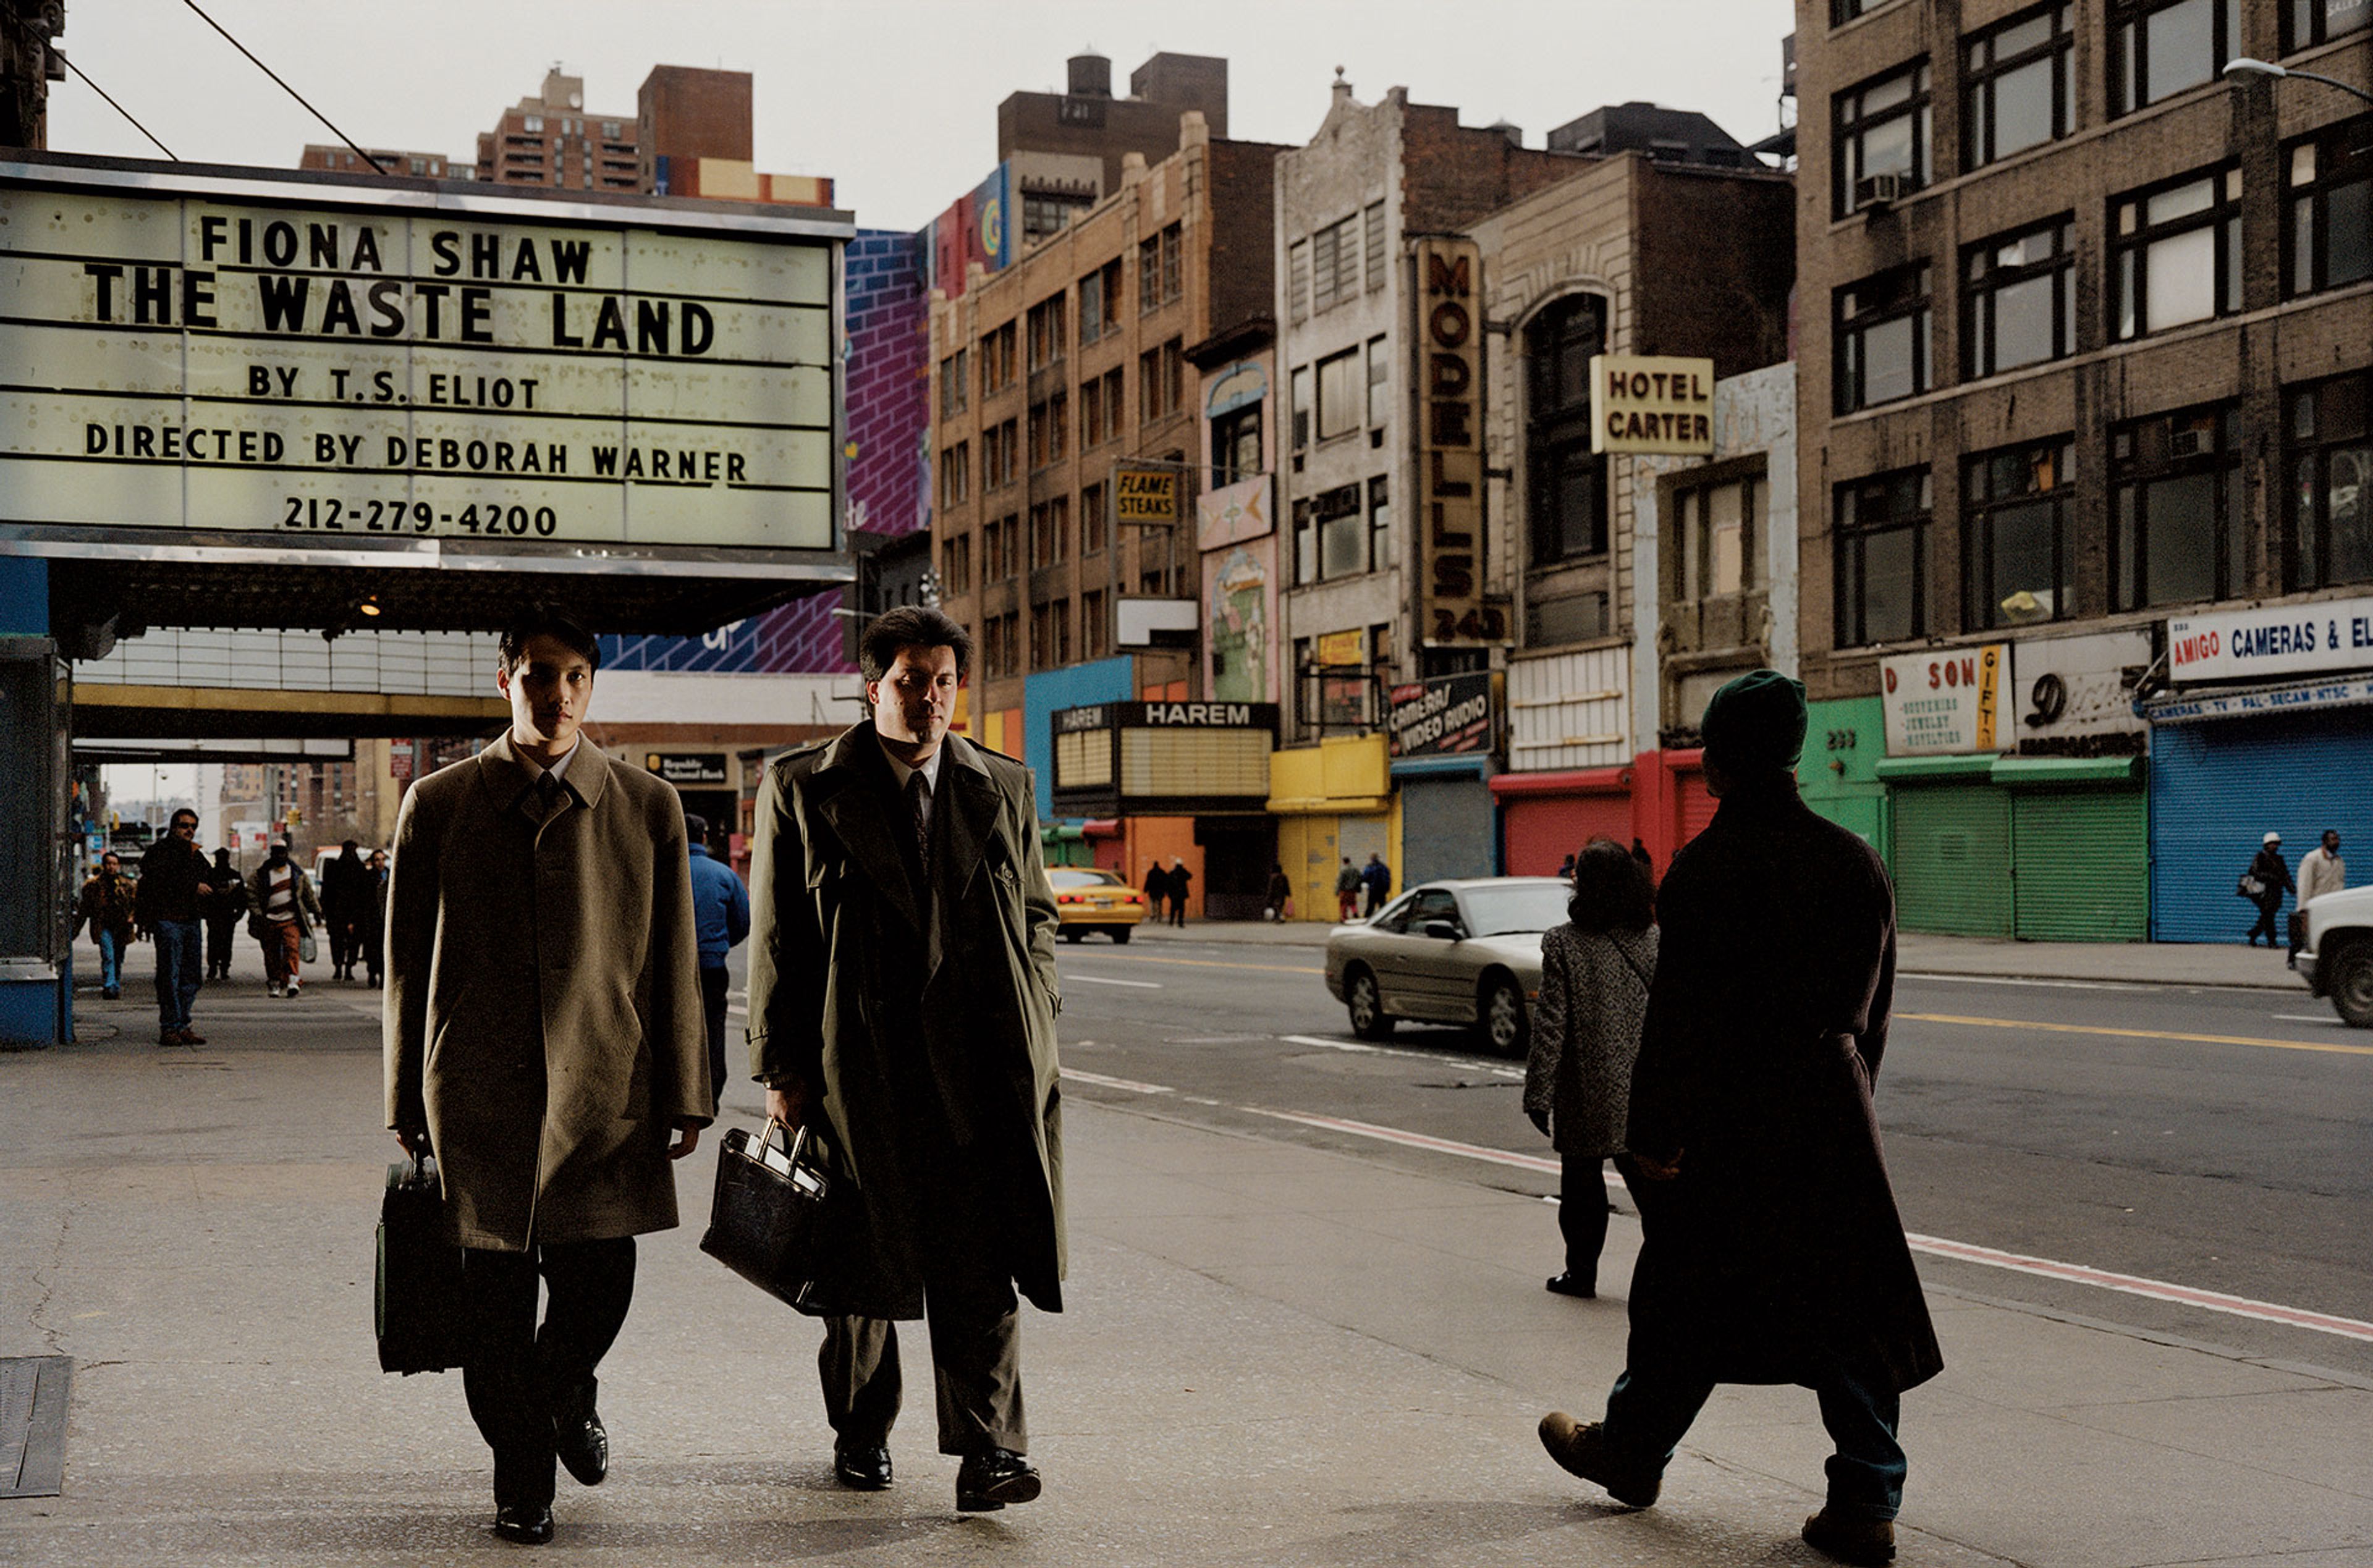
column 902, row 1001
column 1771, row 1248
column 543, row 1034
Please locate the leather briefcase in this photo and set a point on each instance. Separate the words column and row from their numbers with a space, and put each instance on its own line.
column 766, row 1222
column 422, row 1324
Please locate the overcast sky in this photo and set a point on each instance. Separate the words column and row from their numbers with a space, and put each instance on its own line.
column 895, row 98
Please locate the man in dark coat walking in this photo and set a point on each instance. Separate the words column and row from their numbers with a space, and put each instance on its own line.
column 902, row 1001
column 346, row 905
column 1772, row 1251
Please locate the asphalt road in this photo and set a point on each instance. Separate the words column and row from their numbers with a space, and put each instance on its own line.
column 2181, row 1140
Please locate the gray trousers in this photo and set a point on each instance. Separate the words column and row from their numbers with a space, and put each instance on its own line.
column 975, row 1330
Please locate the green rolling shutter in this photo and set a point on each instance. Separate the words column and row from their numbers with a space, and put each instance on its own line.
column 2082, row 870
column 1953, row 858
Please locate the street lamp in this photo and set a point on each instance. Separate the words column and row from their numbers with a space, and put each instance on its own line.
column 2246, row 67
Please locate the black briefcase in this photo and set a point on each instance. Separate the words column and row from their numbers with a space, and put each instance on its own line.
column 421, row 1321
column 766, row 1223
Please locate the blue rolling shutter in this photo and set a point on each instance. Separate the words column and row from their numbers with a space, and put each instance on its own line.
column 2220, row 785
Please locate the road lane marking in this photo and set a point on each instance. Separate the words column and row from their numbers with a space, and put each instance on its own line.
column 2156, row 1290
column 1425, row 1056
column 1100, row 979
column 2136, row 1034
column 1215, row 964
column 1131, row 1084
column 2308, row 1018
column 1939, row 1246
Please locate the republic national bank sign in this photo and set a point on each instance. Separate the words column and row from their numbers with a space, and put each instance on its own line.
column 431, row 366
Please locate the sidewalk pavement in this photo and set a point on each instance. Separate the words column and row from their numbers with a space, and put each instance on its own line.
column 2142, row 963
column 1272, row 1356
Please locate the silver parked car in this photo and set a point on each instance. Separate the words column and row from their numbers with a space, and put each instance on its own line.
column 1452, row 952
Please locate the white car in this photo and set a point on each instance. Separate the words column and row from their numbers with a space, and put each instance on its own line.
column 2338, row 958
column 1466, row 951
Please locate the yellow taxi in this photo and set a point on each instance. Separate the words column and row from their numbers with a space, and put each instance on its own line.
column 1089, row 899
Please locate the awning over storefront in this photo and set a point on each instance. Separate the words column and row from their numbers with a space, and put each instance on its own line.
column 1584, row 781
column 2256, row 702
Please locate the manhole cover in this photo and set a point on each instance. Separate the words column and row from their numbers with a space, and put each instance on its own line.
column 33, row 1424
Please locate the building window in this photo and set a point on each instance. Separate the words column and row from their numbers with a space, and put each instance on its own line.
column 2172, row 536
column 1091, row 413
column 1046, row 212
column 1297, row 282
column 1050, row 532
column 1093, row 521
column 1340, row 400
column 955, row 565
column 1096, row 302
column 1330, row 536
column 1567, row 483
column 2306, row 23
column 2019, row 303
column 1000, row 548
column 2014, row 550
column 955, row 473
column 2177, row 253
column 1882, row 339
column 2157, row 50
column 2332, row 484
column 1236, row 445
column 1843, row 11
column 1882, row 558
column 1002, row 637
column 1333, row 264
column 1096, row 637
column 1882, row 129
column 1380, row 524
column 1050, row 430
column 2329, row 240
column 999, row 455
column 997, row 365
column 532, row 124
column 1301, row 408
column 2020, row 93
column 1046, row 319
column 1161, row 381
column 955, row 384
column 1157, row 269
column 1717, row 527
column 1379, row 384
column 1371, row 243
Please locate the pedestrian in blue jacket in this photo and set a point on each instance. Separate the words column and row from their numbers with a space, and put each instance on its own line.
column 720, row 917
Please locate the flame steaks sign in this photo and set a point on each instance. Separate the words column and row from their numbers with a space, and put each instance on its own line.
column 1451, row 608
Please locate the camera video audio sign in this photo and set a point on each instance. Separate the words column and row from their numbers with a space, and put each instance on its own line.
column 329, row 364
column 1452, row 611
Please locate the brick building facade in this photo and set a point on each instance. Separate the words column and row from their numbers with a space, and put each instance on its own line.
column 2085, row 329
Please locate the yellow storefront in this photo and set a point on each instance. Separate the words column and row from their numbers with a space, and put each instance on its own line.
column 1331, row 800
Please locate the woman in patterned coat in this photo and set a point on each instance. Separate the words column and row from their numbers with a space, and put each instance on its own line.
column 1594, row 975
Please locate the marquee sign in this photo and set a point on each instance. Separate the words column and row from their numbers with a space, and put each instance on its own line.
column 1163, row 758
column 1451, row 609
column 332, row 365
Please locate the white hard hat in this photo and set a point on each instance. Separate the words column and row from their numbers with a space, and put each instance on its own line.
column 2273, row 838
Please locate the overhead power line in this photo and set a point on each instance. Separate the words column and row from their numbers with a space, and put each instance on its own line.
column 284, row 86
column 115, row 105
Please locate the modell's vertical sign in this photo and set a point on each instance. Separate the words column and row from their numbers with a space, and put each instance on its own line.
column 1451, row 611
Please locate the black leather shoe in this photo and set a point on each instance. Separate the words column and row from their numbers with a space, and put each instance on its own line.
column 1567, row 1285
column 524, row 1525
column 583, row 1447
column 987, row 1482
column 861, row 1470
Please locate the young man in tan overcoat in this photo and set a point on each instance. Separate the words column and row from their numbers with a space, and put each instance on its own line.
column 544, row 1035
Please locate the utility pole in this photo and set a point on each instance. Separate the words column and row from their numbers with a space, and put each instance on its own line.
column 30, row 61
